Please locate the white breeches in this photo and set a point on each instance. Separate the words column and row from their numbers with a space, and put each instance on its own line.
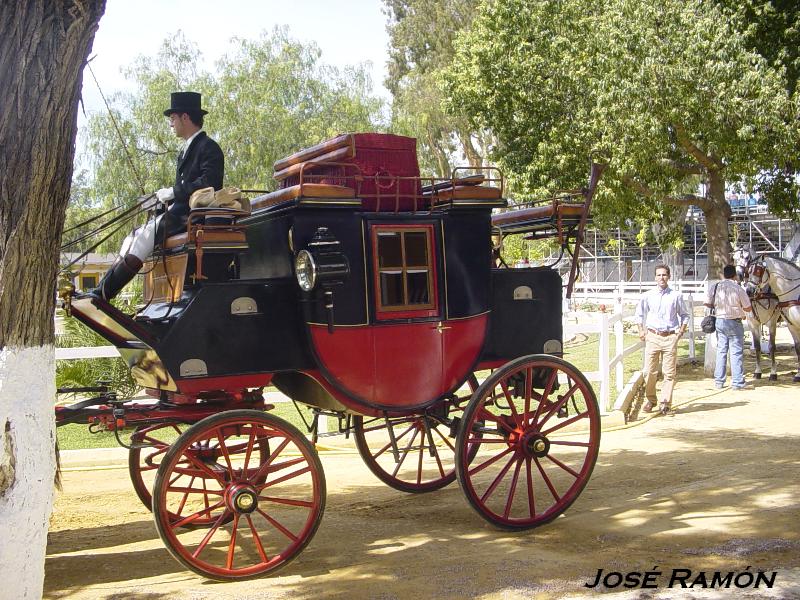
column 141, row 242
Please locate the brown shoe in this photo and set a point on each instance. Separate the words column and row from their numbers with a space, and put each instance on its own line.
column 648, row 407
column 663, row 408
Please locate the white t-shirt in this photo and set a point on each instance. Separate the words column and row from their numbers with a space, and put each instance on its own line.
column 730, row 299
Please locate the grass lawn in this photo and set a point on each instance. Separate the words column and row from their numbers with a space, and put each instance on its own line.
column 77, row 436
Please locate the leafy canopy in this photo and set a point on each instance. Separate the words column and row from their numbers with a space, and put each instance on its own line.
column 662, row 91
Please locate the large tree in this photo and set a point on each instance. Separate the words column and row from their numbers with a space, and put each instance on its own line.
column 661, row 91
column 43, row 48
column 421, row 34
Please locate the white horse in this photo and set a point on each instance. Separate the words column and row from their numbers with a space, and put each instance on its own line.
column 765, row 310
column 783, row 277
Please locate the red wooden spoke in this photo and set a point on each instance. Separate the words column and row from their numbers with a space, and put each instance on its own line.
column 224, row 448
column 486, row 415
column 547, row 481
column 249, row 450
column 531, row 497
column 232, row 545
column 257, row 539
column 206, row 512
column 489, row 462
column 568, row 469
column 286, row 477
column 447, row 442
column 185, row 497
column 207, row 538
column 262, row 470
column 204, row 468
column 479, row 440
column 278, row 526
column 397, row 438
column 404, row 453
column 558, row 405
column 497, row 479
column 179, row 489
column 510, row 401
column 569, row 421
column 528, row 394
column 513, row 489
column 569, row 443
column 287, row 501
column 548, row 388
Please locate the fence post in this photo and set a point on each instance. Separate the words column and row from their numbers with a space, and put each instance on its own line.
column 692, row 356
column 603, row 368
column 619, row 345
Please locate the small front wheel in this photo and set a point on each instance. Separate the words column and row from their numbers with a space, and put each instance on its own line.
column 262, row 508
column 413, row 453
column 528, row 442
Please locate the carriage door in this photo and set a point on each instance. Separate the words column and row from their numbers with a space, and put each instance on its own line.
column 408, row 332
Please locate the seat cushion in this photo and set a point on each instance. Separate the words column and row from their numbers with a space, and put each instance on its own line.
column 463, row 192
column 543, row 212
column 307, row 190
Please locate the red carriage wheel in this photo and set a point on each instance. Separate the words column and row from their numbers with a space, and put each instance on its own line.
column 528, row 442
column 413, row 453
column 149, row 443
column 263, row 510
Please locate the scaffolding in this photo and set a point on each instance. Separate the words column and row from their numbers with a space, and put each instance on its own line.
column 617, row 256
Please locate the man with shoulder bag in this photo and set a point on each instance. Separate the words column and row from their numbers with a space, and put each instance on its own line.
column 729, row 305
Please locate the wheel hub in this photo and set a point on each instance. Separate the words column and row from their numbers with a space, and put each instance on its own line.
column 241, row 498
column 535, row 444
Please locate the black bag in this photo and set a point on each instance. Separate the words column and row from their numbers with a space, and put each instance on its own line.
column 709, row 323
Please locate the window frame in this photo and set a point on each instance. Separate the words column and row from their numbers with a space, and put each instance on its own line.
column 407, row 310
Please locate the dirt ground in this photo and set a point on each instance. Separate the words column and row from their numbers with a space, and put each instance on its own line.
column 712, row 487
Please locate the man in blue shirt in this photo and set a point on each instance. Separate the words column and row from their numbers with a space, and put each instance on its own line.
column 662, row 319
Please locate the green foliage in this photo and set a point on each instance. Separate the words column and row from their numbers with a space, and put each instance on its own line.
column 663, row 92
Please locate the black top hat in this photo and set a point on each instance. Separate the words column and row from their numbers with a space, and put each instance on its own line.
column 184, row 102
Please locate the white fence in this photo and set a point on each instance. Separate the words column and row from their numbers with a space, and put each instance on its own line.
column 620, row 299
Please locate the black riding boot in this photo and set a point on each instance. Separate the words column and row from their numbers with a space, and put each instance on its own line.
column 120, row 273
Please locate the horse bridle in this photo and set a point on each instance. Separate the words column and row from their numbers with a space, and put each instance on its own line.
column 758, row 268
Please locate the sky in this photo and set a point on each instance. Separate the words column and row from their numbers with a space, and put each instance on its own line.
column 349, row 32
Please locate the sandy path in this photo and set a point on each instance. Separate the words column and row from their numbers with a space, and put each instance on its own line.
column 712, row 487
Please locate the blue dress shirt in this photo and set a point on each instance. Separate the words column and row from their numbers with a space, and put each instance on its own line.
column 662, row 310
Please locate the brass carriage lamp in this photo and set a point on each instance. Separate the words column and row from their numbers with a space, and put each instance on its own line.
column 323, row 263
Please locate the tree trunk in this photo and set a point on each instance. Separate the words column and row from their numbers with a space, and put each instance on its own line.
column 717, row 216
column 43, row 49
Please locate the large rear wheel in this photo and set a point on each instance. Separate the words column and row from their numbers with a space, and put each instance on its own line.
column 262, row 509
column 528, row 442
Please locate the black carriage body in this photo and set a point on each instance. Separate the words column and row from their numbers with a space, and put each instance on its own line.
column 245, row 332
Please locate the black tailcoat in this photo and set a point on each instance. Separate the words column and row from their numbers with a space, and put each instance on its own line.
column 203, row 166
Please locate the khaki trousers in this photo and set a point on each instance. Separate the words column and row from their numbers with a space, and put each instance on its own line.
column 663, row 350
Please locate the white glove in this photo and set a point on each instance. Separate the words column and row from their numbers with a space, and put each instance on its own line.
column 165, row 194
column 147, row 202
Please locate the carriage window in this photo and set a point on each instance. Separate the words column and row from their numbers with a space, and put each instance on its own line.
column 405, row 274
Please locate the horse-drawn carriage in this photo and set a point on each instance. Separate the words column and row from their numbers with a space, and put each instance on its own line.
column 372, row 295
